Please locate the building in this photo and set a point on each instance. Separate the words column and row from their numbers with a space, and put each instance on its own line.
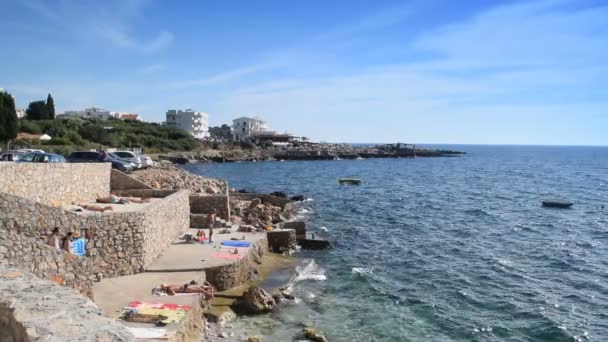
column 93, row 112
column 195, row 123
column 20, row 113
column 245, row 128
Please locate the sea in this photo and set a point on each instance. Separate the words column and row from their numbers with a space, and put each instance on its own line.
column 443, row 249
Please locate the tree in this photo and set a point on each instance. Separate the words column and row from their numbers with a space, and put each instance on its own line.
column 37, row 111
column 223, row 132
column 50, row 107
column 9, row 124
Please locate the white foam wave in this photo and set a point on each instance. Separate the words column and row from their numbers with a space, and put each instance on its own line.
column 303, row 211
column 323, row 228
column 310, row 271
column 362, row 270
column 309, row 199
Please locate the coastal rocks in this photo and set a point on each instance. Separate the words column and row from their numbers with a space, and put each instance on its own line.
column 254, row 339
column 254, row 203
column 313, row 334
column 255, row 301
column 281, row 240
column 167, row 176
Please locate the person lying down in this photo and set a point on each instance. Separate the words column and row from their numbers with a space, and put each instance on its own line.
column 207, row 290
column 89, row 207
column 113, row 199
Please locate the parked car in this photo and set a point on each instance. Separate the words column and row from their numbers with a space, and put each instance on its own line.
column 37, row 157
column 130, row 157
column 11, row 156
column 133, row 165
column 94, row 157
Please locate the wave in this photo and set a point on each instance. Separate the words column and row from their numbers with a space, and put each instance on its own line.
column 362, row 271
column 310, row 271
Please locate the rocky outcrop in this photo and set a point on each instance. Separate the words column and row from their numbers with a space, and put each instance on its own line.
column 255, row 301
column 314, row 335
column 32, row 309
column 167, row 176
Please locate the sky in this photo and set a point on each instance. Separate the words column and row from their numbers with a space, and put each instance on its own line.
column 465, row 72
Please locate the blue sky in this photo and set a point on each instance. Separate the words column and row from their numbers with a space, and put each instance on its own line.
column 503, row 72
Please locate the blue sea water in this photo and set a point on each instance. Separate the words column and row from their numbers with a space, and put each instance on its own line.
column 445, row 249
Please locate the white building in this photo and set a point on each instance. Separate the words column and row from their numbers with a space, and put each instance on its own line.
column 195, row 123
column 245, row 128
column 20, row 113
column 93, row 112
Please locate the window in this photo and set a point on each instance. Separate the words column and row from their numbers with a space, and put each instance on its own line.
column 243, row 129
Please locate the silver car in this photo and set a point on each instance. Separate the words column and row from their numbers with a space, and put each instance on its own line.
column 141, row 161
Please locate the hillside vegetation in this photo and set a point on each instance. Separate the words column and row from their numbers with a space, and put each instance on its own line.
column 74, row 133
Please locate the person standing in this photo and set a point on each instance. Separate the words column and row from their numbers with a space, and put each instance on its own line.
column 211, row 217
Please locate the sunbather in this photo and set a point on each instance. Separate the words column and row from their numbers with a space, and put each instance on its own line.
column 192, row 287
column 94, row 207
column 113, row 199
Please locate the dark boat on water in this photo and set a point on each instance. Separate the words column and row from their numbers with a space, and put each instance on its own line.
column 557, row 203
column 350, row 181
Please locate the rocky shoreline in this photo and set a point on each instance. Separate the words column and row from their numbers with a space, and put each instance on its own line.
column 227, row 153
column 255, row 210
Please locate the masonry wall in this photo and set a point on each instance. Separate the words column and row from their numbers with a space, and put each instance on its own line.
column 32, row 309
column 204, row 204
column 237, row 273
column 164, row 222
column 46, row 262
column 120, row 243
column 55, row 184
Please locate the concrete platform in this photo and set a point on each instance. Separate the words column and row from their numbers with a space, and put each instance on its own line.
column 112, row 295
column 192, row 256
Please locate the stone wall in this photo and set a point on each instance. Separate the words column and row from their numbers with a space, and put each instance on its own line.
column 55, row 184
column 120, row 243
column 298, row 226
column 164, row 221
column 204, row 204
column 32, row 309
column 46, row 262
column 237, row 273
column 121, row 181
column 281, row 240
column 144, row 193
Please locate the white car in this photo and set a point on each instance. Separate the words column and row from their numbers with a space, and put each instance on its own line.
column 141, row 161
column 130, row 157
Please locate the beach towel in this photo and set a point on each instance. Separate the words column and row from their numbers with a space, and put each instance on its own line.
column 230, row 243
column 144, row 333
column 174, row 313
column 78, row 246
column 159, row 292
column 221, row 255
column 156, row 305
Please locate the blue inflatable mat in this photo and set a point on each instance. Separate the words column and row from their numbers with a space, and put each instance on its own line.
column 232, row 243
column 78, row 246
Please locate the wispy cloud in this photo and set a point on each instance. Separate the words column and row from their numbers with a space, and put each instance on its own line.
column 109, row 21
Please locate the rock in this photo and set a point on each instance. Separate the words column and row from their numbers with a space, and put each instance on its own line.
column 314, row 334
column 254, row 339
column 256, row 300
column 279, row 194
column 298, row 198
column 255, row 203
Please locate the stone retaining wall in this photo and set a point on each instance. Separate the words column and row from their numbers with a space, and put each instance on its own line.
column 228, row 276
column 164, row 221
column 204, row 204
column 46, row 262
column 281, row 240
column 120, row 243
column 55, row 184
column 32, row 309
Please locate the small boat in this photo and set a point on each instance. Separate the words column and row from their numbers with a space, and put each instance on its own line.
column 557, row 203
column 350, row 181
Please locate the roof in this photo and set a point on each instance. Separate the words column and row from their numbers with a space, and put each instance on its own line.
column 29, row 136
column 129, row 116
column 248, row 118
